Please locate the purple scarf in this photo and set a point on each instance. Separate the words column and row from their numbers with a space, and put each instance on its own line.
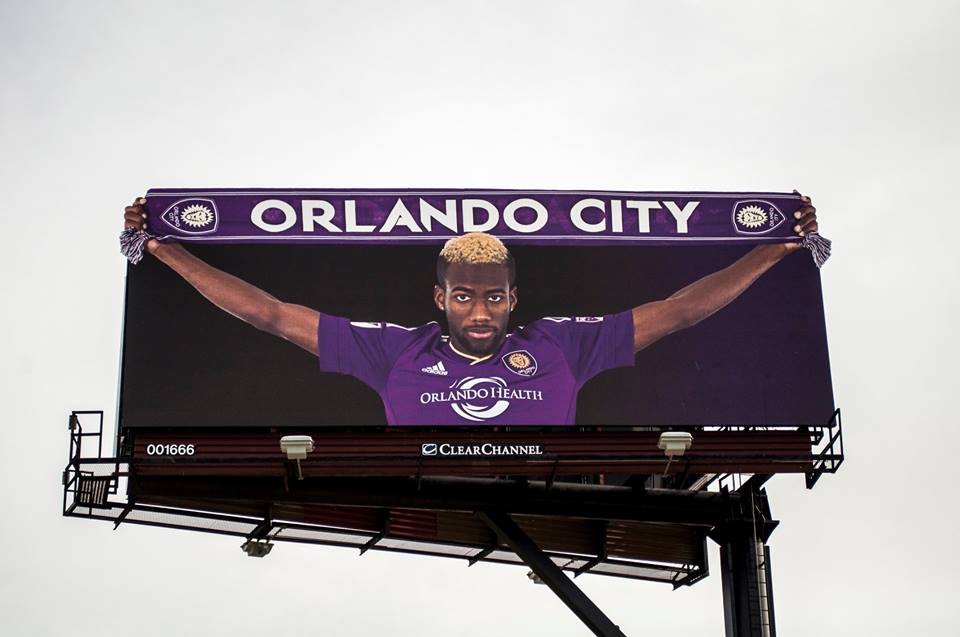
column 538, row 217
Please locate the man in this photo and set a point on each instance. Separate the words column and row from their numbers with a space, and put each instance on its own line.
column 478, row 373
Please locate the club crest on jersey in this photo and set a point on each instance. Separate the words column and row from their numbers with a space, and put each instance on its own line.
column 191, row 216
column 756, row 216
column 520, row 362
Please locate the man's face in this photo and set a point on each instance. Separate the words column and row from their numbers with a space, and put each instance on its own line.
column 477, row 300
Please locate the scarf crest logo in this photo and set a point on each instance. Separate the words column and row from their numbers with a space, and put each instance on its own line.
column 756, row 216
column 192, row 216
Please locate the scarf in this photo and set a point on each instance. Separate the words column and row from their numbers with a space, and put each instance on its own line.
column 410, row 216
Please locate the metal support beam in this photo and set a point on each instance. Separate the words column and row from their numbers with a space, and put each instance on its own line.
column 371, row 543
column 770, row 604
column 745, row 567
column 568, row 592
column 747, row 586
column 701, row 508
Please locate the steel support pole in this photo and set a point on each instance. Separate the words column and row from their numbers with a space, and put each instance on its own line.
column 747, row 585
column 551, row 574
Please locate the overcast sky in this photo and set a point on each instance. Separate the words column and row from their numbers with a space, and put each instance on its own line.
column 852, row 103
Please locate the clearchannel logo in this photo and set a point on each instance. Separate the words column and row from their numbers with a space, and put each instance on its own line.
column 482, row 449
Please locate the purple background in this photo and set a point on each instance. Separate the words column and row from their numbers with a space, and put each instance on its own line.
column 761, row 360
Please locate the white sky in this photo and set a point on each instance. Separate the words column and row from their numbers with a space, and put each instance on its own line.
column 852, row 103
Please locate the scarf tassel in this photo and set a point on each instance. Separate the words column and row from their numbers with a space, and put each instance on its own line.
column 133, row 243
column 818, row 246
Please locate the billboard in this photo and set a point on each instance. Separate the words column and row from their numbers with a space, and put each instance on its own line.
column 310, row 308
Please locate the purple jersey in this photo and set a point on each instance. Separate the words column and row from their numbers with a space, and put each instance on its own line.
column 532, row 379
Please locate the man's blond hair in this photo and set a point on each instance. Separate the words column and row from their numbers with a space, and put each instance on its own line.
column 474, row 248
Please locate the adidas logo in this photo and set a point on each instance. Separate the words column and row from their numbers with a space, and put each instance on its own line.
column 437, row 369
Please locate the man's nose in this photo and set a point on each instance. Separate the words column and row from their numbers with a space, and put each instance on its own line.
column 479, row 312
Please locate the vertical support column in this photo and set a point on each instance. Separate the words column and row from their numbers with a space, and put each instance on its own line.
column 770, row 604
column 746, row 578
column 552, row 575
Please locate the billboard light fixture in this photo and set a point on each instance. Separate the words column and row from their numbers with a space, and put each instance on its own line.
column 256, row 548
column 535, row 578
column 296, row 448
column 674, row 443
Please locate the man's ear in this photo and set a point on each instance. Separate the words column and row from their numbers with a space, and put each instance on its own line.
column 438, row 297
column 514, row 298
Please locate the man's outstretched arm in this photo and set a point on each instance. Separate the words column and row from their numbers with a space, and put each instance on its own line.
column 687, row 307
column 295, row 323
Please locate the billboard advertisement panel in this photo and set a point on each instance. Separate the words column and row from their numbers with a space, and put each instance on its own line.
column 309, row 308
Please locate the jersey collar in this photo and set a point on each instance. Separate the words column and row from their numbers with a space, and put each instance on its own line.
column 473, row 359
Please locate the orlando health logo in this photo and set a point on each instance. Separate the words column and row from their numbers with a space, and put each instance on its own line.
column 192, row 216
column 480, row 398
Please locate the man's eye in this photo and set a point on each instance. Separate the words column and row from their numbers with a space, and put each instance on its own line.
column 495, row 298
column 461, row 298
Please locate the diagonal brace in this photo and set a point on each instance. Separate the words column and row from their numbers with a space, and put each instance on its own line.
column 551, row 574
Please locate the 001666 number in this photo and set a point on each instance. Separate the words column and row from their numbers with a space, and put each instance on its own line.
column 170, row 450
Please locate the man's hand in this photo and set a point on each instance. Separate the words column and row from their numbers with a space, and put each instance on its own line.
column 135, row 217
column 805, row 221
column 295, row 323
column 652, row 321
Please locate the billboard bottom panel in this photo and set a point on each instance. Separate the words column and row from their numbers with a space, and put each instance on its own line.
column 573, row 545
column 544, row 454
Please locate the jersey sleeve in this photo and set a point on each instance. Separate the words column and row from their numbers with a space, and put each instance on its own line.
column 367, row 351
column 591, row 344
